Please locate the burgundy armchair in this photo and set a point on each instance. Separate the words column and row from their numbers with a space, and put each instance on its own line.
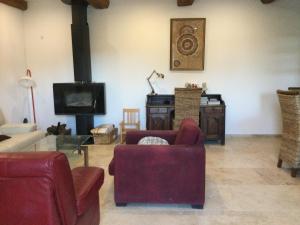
column 39, row 188
column 172, row 173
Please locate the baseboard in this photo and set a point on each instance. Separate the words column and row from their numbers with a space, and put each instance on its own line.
column 252, row 135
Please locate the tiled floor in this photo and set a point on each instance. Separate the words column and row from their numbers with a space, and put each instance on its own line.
column 243, row 187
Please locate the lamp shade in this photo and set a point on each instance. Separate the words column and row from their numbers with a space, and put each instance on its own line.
column 27, row 82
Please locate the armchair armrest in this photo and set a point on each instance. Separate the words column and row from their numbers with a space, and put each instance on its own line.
column 155, row 173
column 133, row 137
column 87, row 182
column 11, row 128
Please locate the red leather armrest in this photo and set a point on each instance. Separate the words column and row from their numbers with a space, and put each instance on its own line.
column 133, row 137
column 87, row 182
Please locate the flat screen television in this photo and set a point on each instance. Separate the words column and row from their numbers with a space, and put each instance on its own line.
column 79, row 98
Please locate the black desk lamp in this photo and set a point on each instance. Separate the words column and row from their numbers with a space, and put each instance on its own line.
column 159, row 75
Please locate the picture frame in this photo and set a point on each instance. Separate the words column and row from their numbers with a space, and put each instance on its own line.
column 187, row 44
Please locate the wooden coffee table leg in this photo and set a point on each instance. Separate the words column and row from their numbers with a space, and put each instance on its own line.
column 294, row 172
column 85, row 150
column 279, row 164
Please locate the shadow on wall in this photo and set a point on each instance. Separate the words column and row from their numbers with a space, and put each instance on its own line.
column 266, row 101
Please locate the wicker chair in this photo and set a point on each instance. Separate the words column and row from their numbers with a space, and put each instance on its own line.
column 290, row 145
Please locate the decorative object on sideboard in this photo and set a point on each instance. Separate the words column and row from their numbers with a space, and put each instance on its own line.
column 29, row 83
column 187, row 44
column 191, row 85
column 159, row 75
column 204, row 88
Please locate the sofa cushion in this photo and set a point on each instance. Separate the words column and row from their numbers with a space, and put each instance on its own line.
column 152, row 141
column 188, row 133
column 19, row 128
column 87, row 182
column 21, row 141
column 4, row 137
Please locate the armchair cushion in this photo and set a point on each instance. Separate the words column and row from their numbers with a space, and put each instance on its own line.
column 10, row 128
column 152, row 141
column 133, row 137
column 188, row 133
column 87, row 182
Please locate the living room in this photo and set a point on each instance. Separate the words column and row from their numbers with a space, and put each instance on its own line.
column 251, row 50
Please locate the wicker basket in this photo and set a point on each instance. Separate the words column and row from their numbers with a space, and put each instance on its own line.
column 290, row 112
column 187, row 104
column 105, row 139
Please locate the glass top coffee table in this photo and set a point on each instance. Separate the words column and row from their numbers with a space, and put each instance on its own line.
column 71, row 145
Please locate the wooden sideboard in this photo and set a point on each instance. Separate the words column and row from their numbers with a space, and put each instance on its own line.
column 160, row 114
column 212, row 120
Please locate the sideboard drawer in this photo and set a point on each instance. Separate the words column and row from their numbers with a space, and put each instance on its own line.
column 159, row 110
column 214, row 109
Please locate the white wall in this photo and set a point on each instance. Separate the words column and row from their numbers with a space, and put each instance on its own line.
column 49, row 54
column 251, row 50
column 12, row 64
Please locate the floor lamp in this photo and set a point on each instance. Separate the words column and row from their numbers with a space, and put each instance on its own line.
column 28, row 82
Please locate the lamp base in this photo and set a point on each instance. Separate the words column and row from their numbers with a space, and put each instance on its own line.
column 152, row 93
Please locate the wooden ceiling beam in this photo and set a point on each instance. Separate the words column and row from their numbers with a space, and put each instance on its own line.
column 99, row 4
column 19, row 4
column 69, row 2
column 267, row 1
column 103, row 4
column 185, row 2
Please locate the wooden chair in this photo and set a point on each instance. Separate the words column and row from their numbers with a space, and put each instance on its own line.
column 290, row 143
column 131, row 121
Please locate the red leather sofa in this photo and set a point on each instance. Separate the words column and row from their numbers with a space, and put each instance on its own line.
column 172, row 173
column 39, row 188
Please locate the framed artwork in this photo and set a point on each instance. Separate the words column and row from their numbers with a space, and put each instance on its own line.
column 187, row 44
